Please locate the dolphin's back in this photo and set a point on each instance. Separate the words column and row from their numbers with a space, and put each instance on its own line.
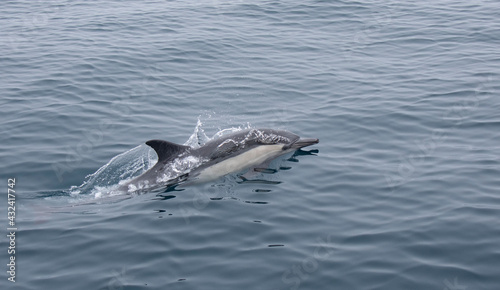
column 241, row 141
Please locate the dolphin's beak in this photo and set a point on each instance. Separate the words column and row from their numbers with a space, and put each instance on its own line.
column 303, row 142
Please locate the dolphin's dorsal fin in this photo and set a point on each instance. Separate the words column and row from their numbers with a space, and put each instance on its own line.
column 165, row 149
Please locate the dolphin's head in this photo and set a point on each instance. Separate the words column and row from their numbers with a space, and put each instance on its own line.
column 244, row 140
column 302, row 142
column 289, row 140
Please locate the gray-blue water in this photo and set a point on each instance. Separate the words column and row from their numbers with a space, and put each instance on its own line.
column 402, row 192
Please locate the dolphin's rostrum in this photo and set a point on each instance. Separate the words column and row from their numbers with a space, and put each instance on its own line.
column 227, row 154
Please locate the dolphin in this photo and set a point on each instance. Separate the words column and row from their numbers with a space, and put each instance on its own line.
column 226, row 154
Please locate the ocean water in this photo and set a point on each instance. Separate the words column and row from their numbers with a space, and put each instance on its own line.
column 402, row 192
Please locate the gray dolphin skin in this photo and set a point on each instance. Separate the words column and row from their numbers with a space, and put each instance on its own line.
column 229, row 153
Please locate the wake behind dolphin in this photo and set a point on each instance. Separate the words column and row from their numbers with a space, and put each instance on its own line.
column 227, row 154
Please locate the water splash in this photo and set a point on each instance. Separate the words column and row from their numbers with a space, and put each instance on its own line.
column 122, row 167
column 198, row 138
column 179, row 167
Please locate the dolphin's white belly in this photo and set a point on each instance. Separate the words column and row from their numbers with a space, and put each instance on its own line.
column 239, row 162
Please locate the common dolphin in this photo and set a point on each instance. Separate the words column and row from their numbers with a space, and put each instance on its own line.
column 229, row 153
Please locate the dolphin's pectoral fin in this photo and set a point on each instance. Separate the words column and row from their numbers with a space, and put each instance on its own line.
column 264, row 167
column 261, row 181
column 265, row 170
column 165, row 149
column 254, row 171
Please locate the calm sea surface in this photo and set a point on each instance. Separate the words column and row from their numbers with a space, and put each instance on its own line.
column 402, row 192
